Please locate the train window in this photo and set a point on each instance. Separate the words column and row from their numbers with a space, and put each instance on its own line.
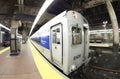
column 58, row 29
column 56, row 36
column 76, row 35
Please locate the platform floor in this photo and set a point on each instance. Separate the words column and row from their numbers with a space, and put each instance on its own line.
column 18, row 67
column 46, row 70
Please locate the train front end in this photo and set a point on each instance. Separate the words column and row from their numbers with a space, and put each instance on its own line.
column 77, row 42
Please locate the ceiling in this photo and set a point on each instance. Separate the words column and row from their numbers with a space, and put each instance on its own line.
column 26, row 10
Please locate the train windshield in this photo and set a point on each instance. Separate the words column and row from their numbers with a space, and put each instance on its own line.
column 76, row 35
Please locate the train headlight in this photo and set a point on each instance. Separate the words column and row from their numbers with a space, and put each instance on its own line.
column 73, row 67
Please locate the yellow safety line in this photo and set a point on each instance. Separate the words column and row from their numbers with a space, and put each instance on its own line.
column 3, row 50
column 44, row 69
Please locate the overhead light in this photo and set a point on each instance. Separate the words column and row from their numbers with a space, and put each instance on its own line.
column 41, row 11
column 4, row 27
column 85, row 25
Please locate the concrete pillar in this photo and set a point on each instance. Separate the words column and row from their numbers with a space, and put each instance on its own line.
column 13, row 38
column 15, row 23
column 114, row 26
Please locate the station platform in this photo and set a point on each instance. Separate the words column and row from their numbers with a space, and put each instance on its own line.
column 29, row 64
column 21, row 66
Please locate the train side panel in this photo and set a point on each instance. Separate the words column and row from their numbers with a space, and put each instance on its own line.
column 102, row 38
column 2, row 37
column 43, row 36
column 62, row 41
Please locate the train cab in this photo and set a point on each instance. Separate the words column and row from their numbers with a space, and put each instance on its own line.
column 64, row 41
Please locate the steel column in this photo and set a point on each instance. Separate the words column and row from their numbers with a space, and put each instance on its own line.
column 114, row 26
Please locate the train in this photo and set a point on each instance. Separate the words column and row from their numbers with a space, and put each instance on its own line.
column 102, row 38
column 1, row 37
column 64, row 41
column 6, row 39
column 4, row 36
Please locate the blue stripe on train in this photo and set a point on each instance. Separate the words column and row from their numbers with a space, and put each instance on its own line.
column 44, row 41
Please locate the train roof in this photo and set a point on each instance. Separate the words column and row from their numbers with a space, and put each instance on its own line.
column 64, row 13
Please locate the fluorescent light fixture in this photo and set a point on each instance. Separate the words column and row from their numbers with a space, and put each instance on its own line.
column 41, row 11
column 85, row 25
column 4, row 27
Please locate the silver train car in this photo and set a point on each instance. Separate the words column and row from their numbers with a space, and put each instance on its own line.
column 64, row 41
column 102, row 38
column 1, row 38
column 4, row 36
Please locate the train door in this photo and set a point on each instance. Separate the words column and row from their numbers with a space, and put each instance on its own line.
column 56, row 44
column 86, row 42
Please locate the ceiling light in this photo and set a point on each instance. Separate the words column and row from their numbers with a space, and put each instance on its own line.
column 4, row 27
column 41, row 11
